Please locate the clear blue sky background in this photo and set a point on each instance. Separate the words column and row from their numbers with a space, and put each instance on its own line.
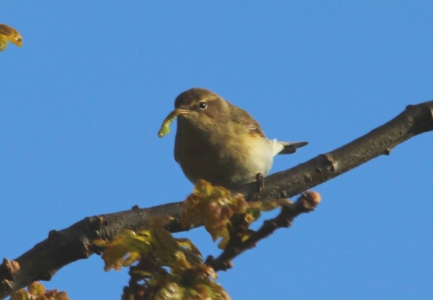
column 82, row 101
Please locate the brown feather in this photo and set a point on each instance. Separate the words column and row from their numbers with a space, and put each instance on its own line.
column 245, row 121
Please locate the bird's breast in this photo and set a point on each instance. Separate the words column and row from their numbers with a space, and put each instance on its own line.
column 222, row 159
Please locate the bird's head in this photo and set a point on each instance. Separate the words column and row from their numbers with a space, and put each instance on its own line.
column 201, row 106
column 198, row 108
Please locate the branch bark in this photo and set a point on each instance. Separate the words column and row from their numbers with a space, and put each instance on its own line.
column 68, row 245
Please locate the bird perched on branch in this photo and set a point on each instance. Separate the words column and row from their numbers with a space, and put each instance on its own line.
column 220, row 142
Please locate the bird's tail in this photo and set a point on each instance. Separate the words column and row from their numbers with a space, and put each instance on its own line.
column 290, row 147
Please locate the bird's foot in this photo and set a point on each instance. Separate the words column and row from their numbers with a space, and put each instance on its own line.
column 260, row 179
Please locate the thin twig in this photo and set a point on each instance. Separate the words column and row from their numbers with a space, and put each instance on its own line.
column 307, row 202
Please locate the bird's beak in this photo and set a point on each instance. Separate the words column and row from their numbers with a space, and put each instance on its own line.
column 165, row 127
column 181, row 111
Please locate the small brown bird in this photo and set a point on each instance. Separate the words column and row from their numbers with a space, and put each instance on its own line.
column 219, row 142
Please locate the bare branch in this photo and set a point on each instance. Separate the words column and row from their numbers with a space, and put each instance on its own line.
column 414, row 120
column 73, row 243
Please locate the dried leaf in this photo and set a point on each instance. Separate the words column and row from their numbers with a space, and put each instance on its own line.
column 36, row 291
column 126, row 243
column 213, row 206
column 167, row 268
column 10, row 34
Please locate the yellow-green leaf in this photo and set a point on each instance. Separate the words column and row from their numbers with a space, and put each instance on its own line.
column 10, row 34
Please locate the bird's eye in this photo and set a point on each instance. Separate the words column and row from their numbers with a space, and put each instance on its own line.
column 202, row 105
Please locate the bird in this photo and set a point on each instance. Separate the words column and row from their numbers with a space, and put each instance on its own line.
column 220, row 142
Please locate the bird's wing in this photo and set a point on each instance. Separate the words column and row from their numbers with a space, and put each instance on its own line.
column 244, row 123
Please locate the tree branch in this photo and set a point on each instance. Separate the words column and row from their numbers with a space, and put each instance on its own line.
column 307, row 202
column 73, row 243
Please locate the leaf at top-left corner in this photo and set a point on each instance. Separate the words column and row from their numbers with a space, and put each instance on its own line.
column 9, row 34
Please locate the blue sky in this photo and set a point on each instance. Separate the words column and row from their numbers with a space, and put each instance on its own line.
column 82, row 101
